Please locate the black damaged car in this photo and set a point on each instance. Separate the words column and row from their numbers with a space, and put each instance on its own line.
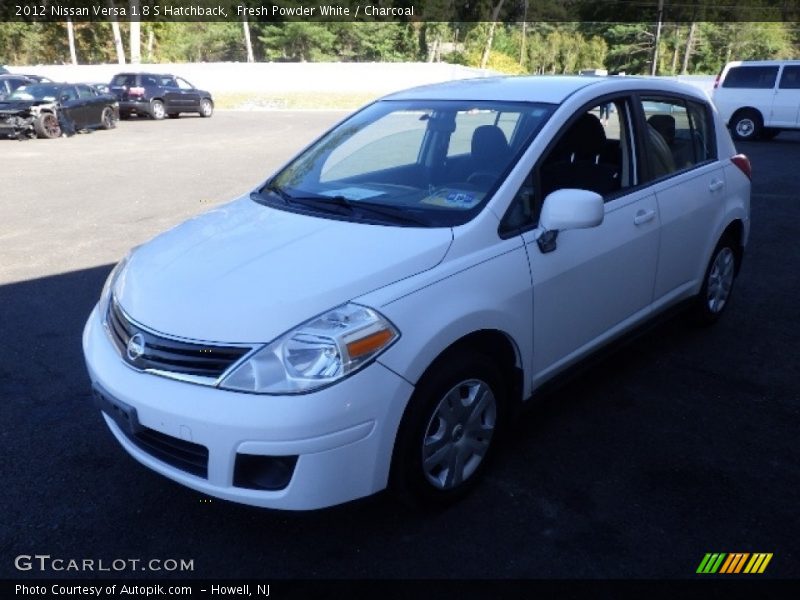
column 48, row 110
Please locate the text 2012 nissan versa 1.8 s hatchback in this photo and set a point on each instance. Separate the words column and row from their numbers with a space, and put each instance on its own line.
column 373, row 314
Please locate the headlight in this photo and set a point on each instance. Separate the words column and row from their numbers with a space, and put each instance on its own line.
column 105, row 295
column 315, row 354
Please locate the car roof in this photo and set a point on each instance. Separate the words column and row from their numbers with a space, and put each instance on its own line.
column 144, row 73
column 553, row 89
column 763, row 63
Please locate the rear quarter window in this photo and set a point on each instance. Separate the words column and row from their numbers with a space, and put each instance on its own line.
column 751, row 77
column 790, row 80
column 124, row 80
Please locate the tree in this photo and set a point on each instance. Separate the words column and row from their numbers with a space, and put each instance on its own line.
column 135, row 31
column 73, row 55
column 120, row 49
column 248, row 43
column 488, row 46
column 297, row 40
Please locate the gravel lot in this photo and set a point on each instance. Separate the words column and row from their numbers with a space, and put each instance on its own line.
column 682, row 443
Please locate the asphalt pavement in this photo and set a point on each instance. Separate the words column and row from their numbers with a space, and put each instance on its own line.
column 682, row 443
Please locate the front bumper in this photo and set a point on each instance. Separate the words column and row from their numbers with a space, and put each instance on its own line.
column 342, row 436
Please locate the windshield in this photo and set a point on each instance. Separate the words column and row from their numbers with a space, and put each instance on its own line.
column 420, row 163
column 36, row 92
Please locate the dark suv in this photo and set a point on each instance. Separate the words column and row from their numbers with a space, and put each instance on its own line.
column 157, row 95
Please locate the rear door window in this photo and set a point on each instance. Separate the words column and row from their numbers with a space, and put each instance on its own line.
column 751, row 77
column 84, row 91
column 679, row 134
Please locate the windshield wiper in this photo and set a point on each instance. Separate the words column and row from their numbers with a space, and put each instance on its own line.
column 341, row 205
column 393, row 213
column 332, row 204
column 275, row 190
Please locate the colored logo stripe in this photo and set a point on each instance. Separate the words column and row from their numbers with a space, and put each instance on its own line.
column 734, row 563
column 710, row 563
column 721, row 562
column 758, row 563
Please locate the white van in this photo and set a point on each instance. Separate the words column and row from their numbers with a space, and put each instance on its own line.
column 759, row 98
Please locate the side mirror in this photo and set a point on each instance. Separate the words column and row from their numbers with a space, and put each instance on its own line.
column 568, row 209
column 64, row 97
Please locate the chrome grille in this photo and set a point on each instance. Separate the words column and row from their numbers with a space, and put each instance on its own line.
column 168, row 355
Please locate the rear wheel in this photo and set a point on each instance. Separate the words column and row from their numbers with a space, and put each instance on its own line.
column 107, row 119
column 449, row 430
column 46, row 126
column 717, row 287
column 206, row 108
column 746, row 125
column 157, row 110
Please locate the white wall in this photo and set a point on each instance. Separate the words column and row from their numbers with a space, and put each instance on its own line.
column 378, row 78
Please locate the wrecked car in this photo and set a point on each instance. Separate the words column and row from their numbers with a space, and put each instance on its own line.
column 50, row 110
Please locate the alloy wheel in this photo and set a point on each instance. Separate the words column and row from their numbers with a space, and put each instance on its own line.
column 720, row 280
column 458, row 434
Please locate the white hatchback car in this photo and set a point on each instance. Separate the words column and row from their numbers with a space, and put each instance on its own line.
column 374, row 314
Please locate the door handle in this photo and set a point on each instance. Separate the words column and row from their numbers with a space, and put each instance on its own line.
column 644, row 216
column 716, row 185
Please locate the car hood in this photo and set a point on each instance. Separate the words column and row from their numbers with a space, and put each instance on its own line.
column 18, row 106
column 247, row 273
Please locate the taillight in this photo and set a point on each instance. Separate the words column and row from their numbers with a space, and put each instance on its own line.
column 136, row 91
column 741, row 161
column 716, row 80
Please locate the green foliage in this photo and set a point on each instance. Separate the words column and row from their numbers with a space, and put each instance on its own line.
column 297, row 41
column 197, row 42
column 498, row 61
column 539, row 47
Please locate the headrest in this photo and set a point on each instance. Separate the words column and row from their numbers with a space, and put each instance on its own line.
column 665, row 125
column 585, row 139
column 490, row 147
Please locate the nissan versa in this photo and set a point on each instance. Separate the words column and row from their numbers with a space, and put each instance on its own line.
column 373, row 314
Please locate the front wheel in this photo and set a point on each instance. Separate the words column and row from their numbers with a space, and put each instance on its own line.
column 206, row 108
column 449, row 431
column 717, row 287
column 46, row 126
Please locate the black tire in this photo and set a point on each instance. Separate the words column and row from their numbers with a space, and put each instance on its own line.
column 206, row 108
column 746, row 125
column 157, row 110
column 46, row 126
column 107, row 120
column 769, row 133
column 720, row 275
column 174, row 115
column 437, row 460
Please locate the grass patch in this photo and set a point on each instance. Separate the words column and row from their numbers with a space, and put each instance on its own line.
column 291, row 100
